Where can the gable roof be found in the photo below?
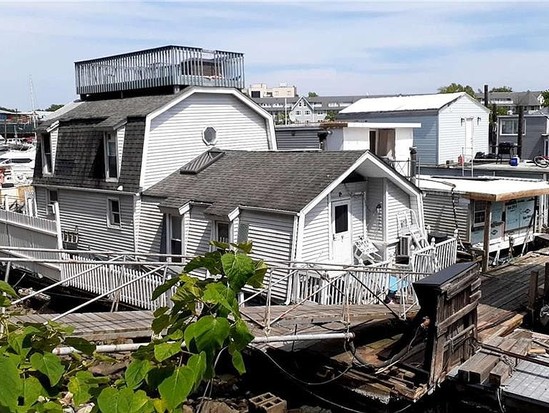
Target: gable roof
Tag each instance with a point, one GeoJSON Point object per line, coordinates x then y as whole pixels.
{"type": "Point", "coordinates": [405, 103]}
{"type": "Point", "coordinates": [283, 181]}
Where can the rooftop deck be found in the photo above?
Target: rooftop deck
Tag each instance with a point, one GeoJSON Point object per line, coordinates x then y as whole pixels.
{"type": "Point", "coordinates": [168, 66]}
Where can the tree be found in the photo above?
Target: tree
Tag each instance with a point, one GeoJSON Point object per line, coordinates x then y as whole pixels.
{"type": "Point", "coordinates": [501, 89]}
{"type": "Point", "coordinates": [456, 87]}
{"type": "Point", "coordinates": [53, 107]}
{"type": "Point", "coordinates": [312, 95]}
{"type": "Point", "coordinates": [545, 96]}
{"type": "Point", "coordinates": [330, 116]}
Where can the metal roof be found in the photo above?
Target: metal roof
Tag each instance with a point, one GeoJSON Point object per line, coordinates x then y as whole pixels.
{"type": "Point", "coordinates": [403, 103]}
{"type": "Point", "coordinates": [493, 189]}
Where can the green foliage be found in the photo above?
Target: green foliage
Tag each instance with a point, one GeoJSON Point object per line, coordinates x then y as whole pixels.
{"type": "Point", "coordinates": [501, 89]}
{"type": "Point", "coordinates": [545, 96]}
{"type": "Point", "coordinates": [53, 107]}
{"type": "Point", "coordinates": [202, 322]}
{"type": "Point", "coordinates": [330, 116]}
{"type": "Point", "coordinates": [312, 95]}
{"type": "Point", "coordinates": [456, 87]}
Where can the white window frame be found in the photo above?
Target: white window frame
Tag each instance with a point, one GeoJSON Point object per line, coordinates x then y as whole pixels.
{"type": "Point", "coordinates": [170, 225]}
{"type": "Point", "coordinates": [47, 161]}
{"type": "Point", "coordinates": [50, 202]}
{"type": "Point", "coordinates": [111, 214]}
{"type": "Point", "coordinates": [514, 128]}
{"type": "Point", "coordinates": [479, 208]}
{"type": "Point", "coordinates": [110, 137]}
{"type": "Point", "coordinates": [215, 231]}
{"type": "Point", "coordinates": [209, 130]}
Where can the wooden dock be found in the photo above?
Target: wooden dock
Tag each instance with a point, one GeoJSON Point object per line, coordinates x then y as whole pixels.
{"type": "Point", "coordinates": [503, 301]}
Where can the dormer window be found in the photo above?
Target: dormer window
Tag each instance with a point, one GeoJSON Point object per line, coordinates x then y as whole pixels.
{"type": "Point", "coordinates": [111, 156]}
{"type": "Point", "coordinates": [47, 166]}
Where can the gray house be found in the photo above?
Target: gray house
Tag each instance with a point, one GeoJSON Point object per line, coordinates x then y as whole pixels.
{"type": "Point", "coordinates": [535, 132]}
{"type": "Point", "coordinates": [452, 125]}
{"type": "Point", "coordinates": [97, 156]}
{"type": "Point", "coordinates": [294, 206]}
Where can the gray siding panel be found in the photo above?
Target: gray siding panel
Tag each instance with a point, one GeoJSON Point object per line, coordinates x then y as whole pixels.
{"type": "Point", "coordinates": [373, 220]}
{"type": "Point", "coordinates": [199, 232]}
{"type": "Point", "coordinates": [291, 140]}
{"type": "Point", "coordinates": [271, 235]}
{"type": "Point", "coordinates": [397, 201]}
{"type": "Point", "coordinates": [150, 225]}
{"type": "Point", "coordinates": [357, 216]}
{"type": "Point", "coordinates": [87, 211]}
{"type": "Point", "coordinates": [175, 136]}
{"type": "Point", "coordinates": [439, 214]}
{"type": "Point", "coordinates": [316, 238]}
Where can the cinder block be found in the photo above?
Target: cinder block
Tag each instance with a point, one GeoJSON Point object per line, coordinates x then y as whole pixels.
{"type": "Point", "coordinates": [267, 403]}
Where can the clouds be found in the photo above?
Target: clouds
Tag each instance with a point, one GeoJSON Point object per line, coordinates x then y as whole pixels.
{"type": "Point", "coordinates": [331, 47]}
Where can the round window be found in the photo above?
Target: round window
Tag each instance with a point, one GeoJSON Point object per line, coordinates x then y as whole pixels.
{"type": "Point", "coordinates": [209, 136]}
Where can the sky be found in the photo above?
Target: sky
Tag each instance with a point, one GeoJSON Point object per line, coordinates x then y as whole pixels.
{"type": "Point", "coordinates": [331, 47]}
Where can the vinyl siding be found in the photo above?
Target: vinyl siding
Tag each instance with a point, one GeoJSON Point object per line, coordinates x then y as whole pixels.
{"type": "Point", "coordinates": [316, 234]}
{"type": "Point", "coordinates": [425, 138]}
{"type": "Point", "coordinates": [439, 213]}
{"type": "Point", "coordinates": [357, 216]}
{"type": "Point", "coordinates": [54, 135]}
{"type": "Point", "coordinates": [198, 232]}
{"type": "Point", "coordinates": [397, 201]}
{"type": "Point", "coordinates": [532, 142]}
{"type": "Point", "coordinates": [375, 196]}
{"type": "Point", "coordinates": [150, 225]}
{"type": "Point", "coordinates": [120, 133]}
{"type": "Point", "coordinates": [41, 200]}
{"type": "Point", "coordinates": [298, 139]}
{"type": "Point", "coordinates": [452, 132]}
{"type": "Point", "coordinates": [87, 211]}
{"type": "Point", "coordinates": [271, 235]}
{"type": "Point", "coordinates": [175, 136]}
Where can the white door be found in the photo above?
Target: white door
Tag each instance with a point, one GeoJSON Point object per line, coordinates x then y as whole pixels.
{"type": "Point", "coordinates": [342, 249]}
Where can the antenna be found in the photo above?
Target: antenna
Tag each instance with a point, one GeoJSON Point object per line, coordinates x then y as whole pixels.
{"type": "Point", "coordinates": [33, 103]}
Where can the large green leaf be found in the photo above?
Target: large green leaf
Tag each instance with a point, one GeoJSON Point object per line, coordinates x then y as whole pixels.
{"type": "Point", "coordinates": [11, 384]}
{"type": "Point", "coordinates": [32, 389]}
{"type": "Point", "coordinates": [136, 372]}
{"type": "Point", "coordinates": [49, 365]}
{"type": "Point", "coordinates": [82, 386]}
{"type": "Point", "coordinates": [175, 389]}
{"type": "Point", "coordinates": [112, 400]}
{"type": "Point", "coordinates": [6, 288]}
{"type": "Point", "coordinates": [197, 363]}
{"type": "Point", "coordinates": [256, 280]}
{"type": "Point", "coordinates": [164, 351]}
{"type": "Point", "coordinates": [161, 289]}
{"type": "Point", "coordinates": [238, 361]}
{"type": "Point", "coordinates": [219, 293]}
{"type": "Point", "coordinates": [245, 247]}
{"type": "Point", "coordinates": [240, 335]}
{"type": "Point", "coordinates": [238, 268]}
{"type": "Point", "coordinates": [4, 301]}
{"type": "Point", "coordinates": [160, 323]}
{"type": "Point", "coordinates": [81, 344]}
{"type": "Point", "coordinates": [16, 342]}
{"type": "Point", "coordinates": [210, 261]}
{"type": "Point", "coordinates": [208, 333]}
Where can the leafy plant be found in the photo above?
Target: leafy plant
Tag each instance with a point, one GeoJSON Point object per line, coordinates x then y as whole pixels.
{"type": "Point", "coordinates": [203, 322]}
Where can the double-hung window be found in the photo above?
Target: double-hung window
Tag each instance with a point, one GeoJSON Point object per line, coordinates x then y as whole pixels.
{"type": "Point", "coordinates": [176, 244]}
{"type": "Point", "coordinates": [114, 217]}
{"type": "Point", "coordinates": [111, 156]}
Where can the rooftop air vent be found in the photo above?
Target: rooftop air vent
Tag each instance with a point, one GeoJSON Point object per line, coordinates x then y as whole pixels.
{"type": "Point", "coordinates": [202, 161]}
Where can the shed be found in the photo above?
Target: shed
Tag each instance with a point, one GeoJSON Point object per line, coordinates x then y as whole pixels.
{"type": "Point", "coordinates": [452, 124]}
{"type": "Point", "coordinates": [490, 213]}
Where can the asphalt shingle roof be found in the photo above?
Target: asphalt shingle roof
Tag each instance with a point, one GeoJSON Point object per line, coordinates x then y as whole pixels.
{"type": "Point", "coordinates": [113, 111]}
{"type": "Point", "coordinates": [285, 181]}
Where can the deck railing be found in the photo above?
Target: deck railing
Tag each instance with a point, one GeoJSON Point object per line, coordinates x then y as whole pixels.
{"type": "Point", "coordinates": [160, 67]}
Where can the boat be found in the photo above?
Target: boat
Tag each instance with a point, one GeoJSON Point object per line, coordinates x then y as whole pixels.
{"type": "Point", "coordinates": [17, 167]}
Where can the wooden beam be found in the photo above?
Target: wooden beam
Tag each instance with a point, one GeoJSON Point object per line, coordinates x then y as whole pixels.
{"type": "Point", "coordinates": [533, 289]}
